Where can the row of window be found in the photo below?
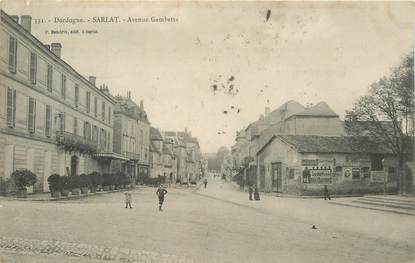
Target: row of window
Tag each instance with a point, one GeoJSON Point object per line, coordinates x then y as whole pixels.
{"type": "Point", "coordinates": [105, 115]}
{"type": "Point", "coordinates": [89, 133]}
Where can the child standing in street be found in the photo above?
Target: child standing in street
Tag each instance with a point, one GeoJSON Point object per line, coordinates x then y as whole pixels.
{"type": "Point", "coordinates": [128, 199]}
{"type": "Point", "coordinates": [161, 192]}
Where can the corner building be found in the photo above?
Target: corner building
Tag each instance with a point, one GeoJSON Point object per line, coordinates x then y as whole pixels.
{"type": "Point", "coordinates": [52, 119]}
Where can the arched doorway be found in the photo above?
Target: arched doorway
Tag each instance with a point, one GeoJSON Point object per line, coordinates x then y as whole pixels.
{"type": "Point", "coordinates": [74, 165]}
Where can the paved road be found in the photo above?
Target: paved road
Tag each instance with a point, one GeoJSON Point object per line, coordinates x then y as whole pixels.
{"type": "Point", "coordinates": [210, 225]}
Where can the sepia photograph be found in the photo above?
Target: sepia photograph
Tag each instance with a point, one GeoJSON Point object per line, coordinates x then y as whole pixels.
{"type": "Point", "coordinates": [207, 131]}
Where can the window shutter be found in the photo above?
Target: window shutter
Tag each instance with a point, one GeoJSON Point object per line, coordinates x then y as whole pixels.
{"type": "Point", "coordinates": [62, 124]}
{"type": "Point", "coordinates": [14, 108]}
{"type": "Point", "coordinates": [103, 111]}
{"type": "Point", "coordinates": [75, 126]}
{"type": "Point", "coordinates": [63, 86]}
{"type": "Point", "coordinates": [76, 95]}
{"type": "Point", "coordinates": [48, 121]}
{"type": "Point", "coordinates": [31, 117]}
{"type": "Point", "coordinates": [50, 76]}
{"type": "Point", "coordinates": [12, 54]}
{"type": "Point", "coordinates": [88, 102]}
{"type": "Point", "coordinates": [33, 67]}
{"type": "Point", "coordinates": [10, 101]}
{"type": "Point", "coordinates": [95, 106]}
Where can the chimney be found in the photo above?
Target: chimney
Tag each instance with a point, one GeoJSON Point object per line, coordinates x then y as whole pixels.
{"type": "Point", "coordinates": [129, 94]}
{"type": "Point", "coordinates": [47, 46]}
{"type": "Point", "coordinates": [267, 111]}
{"type": "Point", "coordinates": [26, 22]}
{"type": "Point", "coordinates": [141, 105]}
{"type": "Point", "coordinates": [15, 18]}
{"type": "Point", "coordinates": [92, 80]}
{"type": "Point", "coordinates": [56, 49]}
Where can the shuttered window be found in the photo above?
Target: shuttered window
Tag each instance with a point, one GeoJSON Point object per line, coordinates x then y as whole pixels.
{"type": "Point", "coordinates": [76, 95]}
{"type": "Point", "coordinates": [50, 78]}
{"type": "Point", "coordinates": [48, 121]}
{"type": "Point", "coordinates": [63, 86]}
{"type": "Point", "coordinates": [87, 130]}
{"type": "Point", "coordinates": [109, 115]}
{"type": "Point", "coordinates": [12, 54]}
{"type": "Point", "coordinates": [103, 111]}
{"type": "Point", "coordinates": [95, 106]}
{"type": "Point", "coordinates": [108, 141]}
{"type": "Point", "coordinates": [32, 115]}
{"type": "Point", "coordinates": [88, 102]}
{"type": "Point", "coordinates": [95, 134]}
{"type": "Point", "coordinates": [33, 67]}
{"type": "Point", "coordinates": [75, 125]}
{"type": "Point", "coordinates": [11, 107]}
{"type": "Point", "coordinates": [62, 122]}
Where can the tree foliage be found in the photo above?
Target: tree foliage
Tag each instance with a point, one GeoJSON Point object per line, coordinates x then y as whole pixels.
{"type": "Point", "coordinates": [386, 112]}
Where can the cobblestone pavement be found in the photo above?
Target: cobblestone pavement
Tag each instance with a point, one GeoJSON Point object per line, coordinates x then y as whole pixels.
{"type": "Point", "coordinates": [85, 251]}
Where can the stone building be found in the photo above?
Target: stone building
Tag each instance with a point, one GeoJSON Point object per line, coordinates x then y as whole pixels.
{"type": "Point", "coordinates": [131, 138]}
{"type": "Point", "coordinates": [52, 119]}
{"type": "Point", "coordinates": [302, 164]}
{"type": "Point", "coordinates": [156, 153]}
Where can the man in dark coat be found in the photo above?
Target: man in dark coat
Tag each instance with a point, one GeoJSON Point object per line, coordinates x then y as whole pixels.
{"type": "Point", "coordinates": [326, 193]}
{"type": "Point", "coordinates": [256, 194]}
{"type": "Point", "coordinates": [161, 192]}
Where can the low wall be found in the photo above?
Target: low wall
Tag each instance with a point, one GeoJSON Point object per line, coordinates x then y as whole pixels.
{"type": "Point", "coordinates": [342, 188]}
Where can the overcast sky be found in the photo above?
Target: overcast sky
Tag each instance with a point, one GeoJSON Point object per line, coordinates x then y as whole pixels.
{"type": "Point", "coordinates": [308, 52]}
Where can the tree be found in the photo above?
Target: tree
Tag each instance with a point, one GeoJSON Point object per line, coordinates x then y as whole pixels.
{"type": "Point", "coordinates": [386, 113]}
{"type": "Point", "coordinates": [227, 165]}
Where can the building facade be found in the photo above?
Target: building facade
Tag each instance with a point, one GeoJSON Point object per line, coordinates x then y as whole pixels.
{"type": "Point", "coordinates": [52, 119]}
{"type": "Point", "coordinates": [303, 164]}
{"type": "Point", "coordinates": [131, 138]}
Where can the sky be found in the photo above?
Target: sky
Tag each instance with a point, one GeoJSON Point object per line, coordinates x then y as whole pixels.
{"type": "Point", "coordinates": [308, 52]}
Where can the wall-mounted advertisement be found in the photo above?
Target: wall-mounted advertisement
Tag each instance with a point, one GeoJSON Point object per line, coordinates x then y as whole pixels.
{"type": "Point", "coordinates": [320, 176]}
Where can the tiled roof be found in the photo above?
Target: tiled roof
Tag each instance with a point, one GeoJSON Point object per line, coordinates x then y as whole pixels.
{"type": "Point", "coordinates": [332, 144]}
{"type": "Point", "coordinates": [155, 134]}
{"type": "Point", "coordinates": [128, 107]}
{"type": "Point", "coordinates": [320, 109]}
{"type": "Point", "coordinates": [170, 133]}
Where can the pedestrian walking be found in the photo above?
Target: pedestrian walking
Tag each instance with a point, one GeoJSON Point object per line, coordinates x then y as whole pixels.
{"type": "Point", "coordinates": [250, 192]}
{"type": "Point", "coordinates": [205, 182]}
{"type": "Point", "coordinates": [128, 199]}
{"type": "Point", "coordinates": [161, 192]}
{"type": "Point", "coordinates": [326, 193]}
{"type": "Point", "coordinates": [256, 194]}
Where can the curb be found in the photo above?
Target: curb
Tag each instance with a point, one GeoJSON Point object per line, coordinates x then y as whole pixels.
{"type": "Point", "coordinates": [72, 197]}
{"type": "Point", "coordinates": [373, 208]}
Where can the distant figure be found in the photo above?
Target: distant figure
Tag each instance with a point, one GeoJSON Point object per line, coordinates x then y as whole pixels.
{"type": "Point", "coordinates": [205, 182]}
{"type": "Point", "coordinates": [256, 194]}
{"type": "Point", "coordinates": [250, 192]}
{"type": "Point", "coordinates": [306, 175]}
{"type": "Point", "coordinates": [326, 193]}
{"type": "Point", "coordinates": [161, 192]}
{"type": "Point", "coordinates": [128, 199]}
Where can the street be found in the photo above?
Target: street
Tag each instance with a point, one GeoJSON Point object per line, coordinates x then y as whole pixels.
{"type": "Point", "coordinates": [217, 224]}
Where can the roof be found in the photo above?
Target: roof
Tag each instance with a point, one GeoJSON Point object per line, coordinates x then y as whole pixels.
{"type": "Point", "coordinates": [321, 109]}
{"type": "Point", "coordinates": [128, 107]}
{"type": "Point", "coordinates": [155, 134]}
{"type": "Point", "coordinates": [331, 144]}
{"type": "Point", "coordinates": [30, 37]}
{"type": "Point", "coordinates": [170, 133]}
{"type": "Point", "coordinates": [153, 148]}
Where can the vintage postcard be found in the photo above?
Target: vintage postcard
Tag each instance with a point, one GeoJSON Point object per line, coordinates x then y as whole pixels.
{"type": "Point", "coordinates": [207, 131]}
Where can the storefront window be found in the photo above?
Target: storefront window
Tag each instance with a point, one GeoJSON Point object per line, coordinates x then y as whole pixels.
{"type": "Point", "coordinates": [376, 161]}
{"type": "Point", "coordinates": [356, 173]}
{"type": "Point", "coordinates": [366, 172]}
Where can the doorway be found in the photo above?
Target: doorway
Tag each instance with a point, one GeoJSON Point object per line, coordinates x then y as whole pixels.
{"type": "Point", "coordinates": [74, 165]}
{"type": "Point", "coordinates": [276, 177]}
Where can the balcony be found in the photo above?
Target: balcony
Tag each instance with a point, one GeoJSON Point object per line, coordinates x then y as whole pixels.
{"type": "Point", "coordinates": [133, 156]}
{"type": "Point", "coordinates": [72, 141]}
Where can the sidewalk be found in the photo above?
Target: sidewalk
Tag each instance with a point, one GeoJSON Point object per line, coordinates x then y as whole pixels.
{"type": "Point", "coordinates": [46, 197]}
{"type": "Point", "coordinates": [320, 213]}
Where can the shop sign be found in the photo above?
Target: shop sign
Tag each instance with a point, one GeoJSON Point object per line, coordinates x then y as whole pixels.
{"type": "Point", "coordinates": [378, 176]}
{"type": "Point", "coordinates": [309, 162]}
{"type": "Point", "coordinates": [320, 176]}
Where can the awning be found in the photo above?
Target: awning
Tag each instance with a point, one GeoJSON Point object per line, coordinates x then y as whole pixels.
{"type": "Point", "coordinates": [112, 156]}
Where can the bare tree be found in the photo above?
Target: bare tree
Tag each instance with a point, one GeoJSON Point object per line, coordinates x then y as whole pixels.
{"type": "Point", "coordinates": [386, 113]}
